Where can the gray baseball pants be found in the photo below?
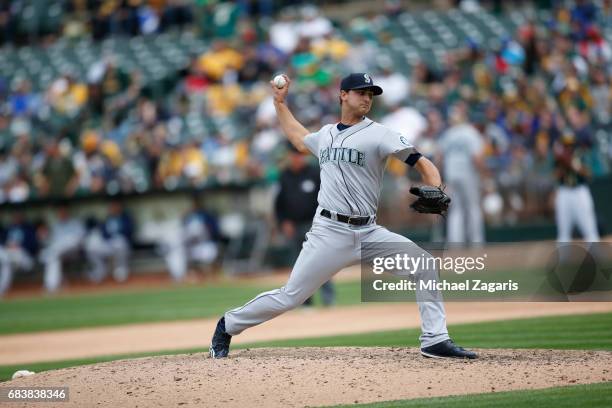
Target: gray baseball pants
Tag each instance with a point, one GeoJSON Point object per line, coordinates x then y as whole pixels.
{"type": "Point", "coordinates": [329, 247]}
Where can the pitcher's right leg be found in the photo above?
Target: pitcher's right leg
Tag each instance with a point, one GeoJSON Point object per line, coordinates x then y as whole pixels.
{"type": "Point", "coordinates": [324, 253]}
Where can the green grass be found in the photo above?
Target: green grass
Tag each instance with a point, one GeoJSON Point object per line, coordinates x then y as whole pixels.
{"type": "Point", "coordinates": [590, 395]}
{"type": "Point", "coordinates": [577, 332]}
{"type": "Point", "coordinates": [138, 306]}
{"type": "Point", "coordinates": [585, 332]}
{"type": "Point", "coordinates": [108, 309]}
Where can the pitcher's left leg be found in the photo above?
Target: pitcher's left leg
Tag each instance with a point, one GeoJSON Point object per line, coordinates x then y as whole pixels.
{"type": "Point", "coordinates": [431, 306]}
{"type": "Point", "coordinates": [435, 341]}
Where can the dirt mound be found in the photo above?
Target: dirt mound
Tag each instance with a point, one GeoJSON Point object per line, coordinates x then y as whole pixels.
{"type": "Point", "coordinates": [315, 376]}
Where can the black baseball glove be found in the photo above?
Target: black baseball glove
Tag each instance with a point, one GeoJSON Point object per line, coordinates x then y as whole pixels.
{"type": "Point", "coordinates": [432, 200]}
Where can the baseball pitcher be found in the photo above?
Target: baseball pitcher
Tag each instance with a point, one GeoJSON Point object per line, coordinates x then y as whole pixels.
{"type": "Point", "coordinates": [352, 157]}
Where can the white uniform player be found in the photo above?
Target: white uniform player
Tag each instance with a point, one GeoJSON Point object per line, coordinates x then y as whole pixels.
{"type": "Point", "coordinates": [352, 157]}
{"type": "Point", "coordinates": [18, 252]}
{"type": "Point", "coordinates": [198, 241]}
{"type": "Point", "coordinates": [66, 238]}
{"type": "Point", "coordinates": [461, 147]}
{"type": "Point", "coordinates": [110, 243]}
{"type": "Point", "coordinates": [573, 202]}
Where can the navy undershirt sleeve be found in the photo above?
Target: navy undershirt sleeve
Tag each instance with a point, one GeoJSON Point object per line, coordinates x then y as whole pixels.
{"type": "Point", "coordinates": [413, 158]}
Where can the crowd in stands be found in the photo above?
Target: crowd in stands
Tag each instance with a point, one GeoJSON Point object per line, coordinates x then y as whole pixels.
{"type": "Point", "coordinates": [106, 134]}
{"type": "Point", "coordinates": [26, 21]}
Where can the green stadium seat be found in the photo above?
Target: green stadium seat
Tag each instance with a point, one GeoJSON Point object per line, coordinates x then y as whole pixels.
{"type": "Point", "coordinates": [52, 17]}
{"type": "Point", "coordinates": [29, 21]}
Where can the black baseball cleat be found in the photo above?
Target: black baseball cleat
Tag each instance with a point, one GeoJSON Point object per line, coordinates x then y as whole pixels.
{"type": "Point", "coordinates": [219, 346]}
{"type": "Point", "coordinates": [447, 349]}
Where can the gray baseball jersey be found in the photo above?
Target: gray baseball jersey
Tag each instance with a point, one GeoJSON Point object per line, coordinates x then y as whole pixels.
{"type": "Point", "coordinates": [460, 145]}
{"type": "Point", "coordinates": [352, 164]}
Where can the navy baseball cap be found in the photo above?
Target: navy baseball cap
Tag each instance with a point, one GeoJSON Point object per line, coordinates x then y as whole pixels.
{"type": "Point", "coordinates": [359, 80]}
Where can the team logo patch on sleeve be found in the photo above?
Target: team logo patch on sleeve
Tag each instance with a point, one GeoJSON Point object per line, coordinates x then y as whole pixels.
{"type": "Point", "coordinates": [404, 141]}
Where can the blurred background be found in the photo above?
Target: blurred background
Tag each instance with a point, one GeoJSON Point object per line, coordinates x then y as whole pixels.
{"type": "Point", "coordinates": [139, 136]}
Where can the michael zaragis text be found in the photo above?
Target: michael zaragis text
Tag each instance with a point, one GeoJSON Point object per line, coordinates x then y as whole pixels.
{"type": "Point", "coordinates": [444, 285]}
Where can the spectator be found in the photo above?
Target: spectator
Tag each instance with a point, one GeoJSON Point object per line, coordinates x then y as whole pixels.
{"type": "Point", "coordinates": [9, 167]}
{"type": "Point", "coordinates": [67, 95]}
{"type": "Point", "coordinates": [23, 101]}
{"type": "Point", "coordinates": [271, 55]}
{"type": "Point", "coordinates": [176, 13]}
{"type": "Point", "coordinates": [126, 18]}
{"type": "Point", "coordinates": [307, 66]}
{"type": "Point", "coordinates": [195, 168]}
{"type": "Point", "coordinates": [8, 22]}
{"type": "Point", "coordinates": [196, 81]}
{"type": "Point", "coordinates": [58, 177]}
{"type": "Point", "coordinates": [313, 25]}
{"type": "Point", "coordinates": [331, 47]}
{"type": "Point", "coordinates": [397, 84]}
{"type": "Point", "coordinates": [574, 94]}
{"type": "Point", "coordinates": [284, 33]}
{"type": "Point", "coordinates": [602, 96]}
{"type": "Point", "coordinates": [584, 12]}
{"type": "Point", "coordinates": [429, 137]}
{"type": "Point", "coordinates": [361, 55]}
{"type": "Point", "coordinates": [18, 189]}
{"type": "Point", "coordinates": [170, 168]}
{"type": "Point", "coordinates": [405, 120]}
{"type": "Point", "coordinates": [148, 20]}
{"type": "Point", "coordinates": [221, 60]}
{"type": "Point", "coordinates": [264, 146]}
{"type": "Point", "coordinates": [101, 20]}
{"type": "Point", "coordinates": [579, 123]}
{"type": "Point", "coordinates": [114, 81]}
{"type": "Point", "coordinates": [254, 69]}
{"type": "Point", "coordinates": [539, 183]}
{"type": "Point", "coordinates": [90, 165]}
{"type": "Point", "coordinates": [224, 20]}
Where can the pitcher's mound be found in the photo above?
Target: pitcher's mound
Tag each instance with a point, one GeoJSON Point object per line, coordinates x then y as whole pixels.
{"type": "Point", "coordinates": [315, 376]}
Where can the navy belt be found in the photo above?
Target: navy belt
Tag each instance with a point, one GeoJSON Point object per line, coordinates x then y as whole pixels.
{"type": "Point", "coordinates": [352, 220]}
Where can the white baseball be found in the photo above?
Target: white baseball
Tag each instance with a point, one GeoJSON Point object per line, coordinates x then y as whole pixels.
{"type": "Point", "coordinates": [22, 373]}
{"type": "Point", "coordinates": [279, 81]}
